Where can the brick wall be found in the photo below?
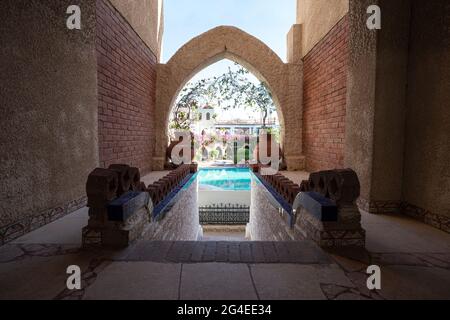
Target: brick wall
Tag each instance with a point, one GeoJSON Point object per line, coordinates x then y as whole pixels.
{"type": "Point", "coordinates": [126, 91]}
{"type": "Point", "coordinates": [325, 88]}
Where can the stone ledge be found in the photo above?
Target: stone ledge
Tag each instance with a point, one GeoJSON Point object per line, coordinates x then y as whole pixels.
{"type": "Point", "coordinates": [435, 220]}
{"type": "Point", "coordinates": [402, 207]}
{"type": "Point", "coordinates": [379, 207]}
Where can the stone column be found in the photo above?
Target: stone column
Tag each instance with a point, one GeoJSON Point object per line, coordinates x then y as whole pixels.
{"type": "Point", "coordinates": [376, 102]}
{"type": "Point", "coordinates": [293, 122]}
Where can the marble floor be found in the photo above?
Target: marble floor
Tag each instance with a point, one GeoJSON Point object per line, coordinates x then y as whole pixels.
{"type": "Point", "coordinates": [414, 260]}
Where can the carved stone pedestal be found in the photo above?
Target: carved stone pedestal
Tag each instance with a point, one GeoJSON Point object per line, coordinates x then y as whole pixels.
{"type": "Point", "coordinates": [346, 232]}
{"type": "Point", "coordinates": [117, 215]}
{"type": "Point", "coordinates": [117, 234]}
{"type": "Point", "coordinates": [328, 213]}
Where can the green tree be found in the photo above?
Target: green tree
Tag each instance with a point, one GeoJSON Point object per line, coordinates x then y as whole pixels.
{"type": "Point", "coordinates": [230, 90]}
{"type": "Point", "coordinates": [186, 107]}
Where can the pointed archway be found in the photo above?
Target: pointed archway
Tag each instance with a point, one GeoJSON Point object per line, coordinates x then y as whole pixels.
{"type": "Point", "coordinates": [225, 42]}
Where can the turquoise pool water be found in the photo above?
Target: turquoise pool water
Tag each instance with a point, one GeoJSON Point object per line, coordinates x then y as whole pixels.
{"type": "Point", "coordinates": [226, 179]}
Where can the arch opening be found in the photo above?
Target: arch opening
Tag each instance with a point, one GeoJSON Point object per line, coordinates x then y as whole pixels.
{"type": "Point", "coordinates": [224, 102]}
{"type": "Point", "coordinates": [233, 44]}
{"type": "Point", "coordinates": [227, 56]}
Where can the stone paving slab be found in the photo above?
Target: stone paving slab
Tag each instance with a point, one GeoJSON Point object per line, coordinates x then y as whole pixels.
{"type": "Point", "coordinates": [197, 252]}
{"type": "Point", "coordinates": [38, 277]}
{"type": "Point", "coordinates": [234, 254]}
{"type": "Point", "coordinates": [136, 281]}
{"type": "Point", "coordinates": [38, 271]}
{"type": "Point", "coordinates": [303, 252]}
{"type": "Point", "coordinates": [10, 253]}
{"type": "Point", "coordinates": [296, 282]}
{"type": "Point", "coordinates": [217, 281]}
{"type": "Point", "coordinates": [411, 283]}
{"type": "Point", "coordinates": [286, 282]}
{"type": "Point", "coordinates": [397, 233]}
{"type": "Point", "coordinates": [66, 230]}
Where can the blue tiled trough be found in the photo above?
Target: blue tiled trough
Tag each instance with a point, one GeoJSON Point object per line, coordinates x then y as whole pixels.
{"type": "Point", "coordinates": [323, 209]}
{"type": "Point", "coordinates": [167, 203]}
{"type": "Point", "coordinates": [121, 209]}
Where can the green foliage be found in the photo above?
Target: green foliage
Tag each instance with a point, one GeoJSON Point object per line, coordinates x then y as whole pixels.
{"type": "Point", "coordinates": [243, 154]}
{"type": "Point", "coordinates": [230, 90]}
{"type": "Point", "coordinates": [214, 154]}
{"type": "Point", "coordinates": [274, 132]}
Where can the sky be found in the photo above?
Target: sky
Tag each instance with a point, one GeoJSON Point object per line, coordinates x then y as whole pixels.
{"type": "Point", "coordinates": [268, 20]}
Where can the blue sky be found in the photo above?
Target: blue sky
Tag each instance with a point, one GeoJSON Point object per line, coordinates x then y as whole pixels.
{"type": "Point", "coordinates": [268, 20]}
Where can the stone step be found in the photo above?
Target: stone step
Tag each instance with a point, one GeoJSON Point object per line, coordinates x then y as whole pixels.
{"type": "Point", "coordinates": [295, 252]}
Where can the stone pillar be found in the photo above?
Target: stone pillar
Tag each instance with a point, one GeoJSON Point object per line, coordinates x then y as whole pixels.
{"type": "Point", "coordinates": [295, 163]}
{"type": "Point", "coordinates": [293, 118]}
{"type": "Point", "coordinates": [376, 102]}
{"type": "Point", "coordinates": [294, 44]}
{"type": "Point", "coordinates": [158, 163]}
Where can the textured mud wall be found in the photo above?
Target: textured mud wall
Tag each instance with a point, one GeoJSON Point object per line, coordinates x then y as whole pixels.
{"type": "Point", "coordinates": [318, 17]}
{"type": "Point", "coordinates": [145, 17]}
{"type": "Point", "coordinates": [390, 101]}
{"type": "Point", "coordinates": [324, 98]}
{"type": "Point", "coordinates": [398, 109]}
{"type": "Point", "coordinates": [427, 171]}
{"type": "Point", "coordinates": [126, 91]}
{"type": "Point", "coordinates": [376, 105]}
{"type": "Point", "coordinates": [361, 96]}
{"type": "Point", "coordinates": [48, 112]}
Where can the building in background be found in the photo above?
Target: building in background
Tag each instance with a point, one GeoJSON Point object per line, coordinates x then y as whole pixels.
{"type": "Point", "coordinates": [210, 121]}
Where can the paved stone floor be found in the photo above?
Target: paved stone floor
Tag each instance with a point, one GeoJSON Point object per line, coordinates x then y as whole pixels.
{"type": "Point", "coordinates": [414, 260]}
{"type": "Point", "coordinates": [223, 236]}
{"type": "Point", "coordinates": [223, 233]}
{"type": "Point", "coordinates": [235, 270]}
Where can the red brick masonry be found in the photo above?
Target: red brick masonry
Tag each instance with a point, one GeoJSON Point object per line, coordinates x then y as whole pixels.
{"type": "Point", "coordinates": [126, 91]}
{"type": "Point", "coordinates": [325, 89]}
